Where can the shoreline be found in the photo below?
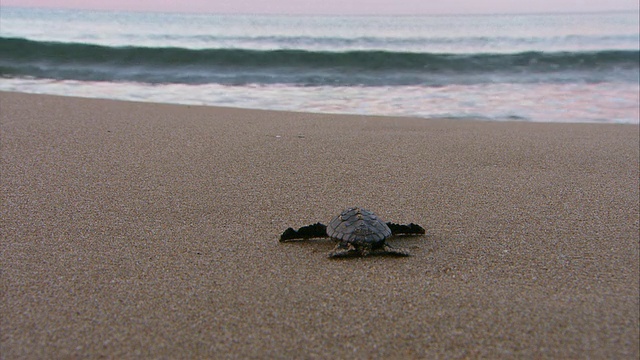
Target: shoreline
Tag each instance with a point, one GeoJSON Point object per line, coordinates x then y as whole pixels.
{"type": "Point", "coordinates": [348, 100]}
{"type": "Point", "coordinates": [302, 113]}
{"type": "Point", "coordinates": [152, 229]}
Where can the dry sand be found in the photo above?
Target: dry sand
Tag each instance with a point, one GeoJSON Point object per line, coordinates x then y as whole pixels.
{"type": "Point", "coordinates": [132, 229]}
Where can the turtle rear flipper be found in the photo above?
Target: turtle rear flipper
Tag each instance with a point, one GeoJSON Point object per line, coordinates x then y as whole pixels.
{"type": "Point", "coordinates": [401, 229]}
{"type": "Point", "coordinates": [344, 249]}
{"type": "Point", "coordinates": [390, 250]}
{"type": "Point", "coordinates": [347, 249]}
{"type": "Point", "coordinates": [316, 230]}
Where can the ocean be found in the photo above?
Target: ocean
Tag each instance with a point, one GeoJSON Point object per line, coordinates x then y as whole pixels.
{"type": "Point", "coordinates": [543, 68]}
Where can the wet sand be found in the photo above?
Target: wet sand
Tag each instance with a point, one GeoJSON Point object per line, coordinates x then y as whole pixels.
{"type": "Point", "coordinates": [151, 230]}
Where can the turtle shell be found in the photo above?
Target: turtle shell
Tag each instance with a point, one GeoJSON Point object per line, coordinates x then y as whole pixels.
{"type": "Point", "coordinates": [357, 225]}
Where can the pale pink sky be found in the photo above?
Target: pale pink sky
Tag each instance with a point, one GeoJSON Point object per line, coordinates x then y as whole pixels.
{"type": "Point", "coordinates": [340, 6]}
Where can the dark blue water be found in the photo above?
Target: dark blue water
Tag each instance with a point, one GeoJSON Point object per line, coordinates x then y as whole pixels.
{"type": "Point", "coordinates": [162, 65]}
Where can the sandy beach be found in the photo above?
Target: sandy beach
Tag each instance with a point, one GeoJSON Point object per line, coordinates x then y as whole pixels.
{"type": "Point", "coordinates": [139, 230]}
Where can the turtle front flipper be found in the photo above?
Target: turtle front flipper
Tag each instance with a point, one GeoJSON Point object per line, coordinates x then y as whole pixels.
{"type": "Point", "coordinates": [316, 230]}
{"type": "Point", "coordinates": [411, 229]}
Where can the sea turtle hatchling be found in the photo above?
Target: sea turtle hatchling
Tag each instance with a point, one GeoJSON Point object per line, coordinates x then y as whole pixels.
{"type": "Point", "coordinates": [360, 232]}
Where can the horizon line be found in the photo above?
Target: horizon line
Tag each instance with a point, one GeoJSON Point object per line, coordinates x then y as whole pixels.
{"type": "Point", "coordinates": [401, 14]}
